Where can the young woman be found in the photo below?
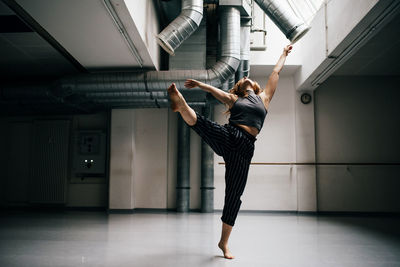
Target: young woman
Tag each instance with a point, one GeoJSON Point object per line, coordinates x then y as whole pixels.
{"type": "Point", "coordinates": [248, 106]}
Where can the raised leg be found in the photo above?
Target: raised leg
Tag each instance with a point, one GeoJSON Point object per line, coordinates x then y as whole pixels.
{"type": "Point", "coordinates": [178, 104]}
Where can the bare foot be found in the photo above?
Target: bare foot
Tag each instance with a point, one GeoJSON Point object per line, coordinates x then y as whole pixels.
{"type": "Point", "coordinates": [225, 250]}
{"type": "Point", "coordinates": [176, 97]}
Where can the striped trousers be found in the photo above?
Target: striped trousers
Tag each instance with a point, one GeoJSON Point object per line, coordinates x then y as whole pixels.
{"type": "Point", "coordinates": [236, 146]}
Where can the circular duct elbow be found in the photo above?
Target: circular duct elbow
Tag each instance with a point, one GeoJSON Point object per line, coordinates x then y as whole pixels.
{"type": "Point", "coordinates": [298, 32]}
{"type": "Point", "coordinates": [283, 16]}
{"type": "Point", "coordinates": [182, 27]}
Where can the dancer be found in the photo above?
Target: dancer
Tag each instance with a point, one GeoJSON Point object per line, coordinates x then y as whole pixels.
{"type": "Point", "coordinates": [248, 106]}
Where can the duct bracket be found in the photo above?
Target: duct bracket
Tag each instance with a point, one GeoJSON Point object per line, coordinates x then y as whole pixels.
{"type": "Point", "coordinates": [243, 6]}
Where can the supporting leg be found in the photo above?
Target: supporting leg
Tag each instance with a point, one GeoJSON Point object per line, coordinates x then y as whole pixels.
{"type": "Point", "coordinates": [223, 243]}
{"type": "Point", "coordinates": [235, 178]}
{"type": "Point", "coordinates": [178, 104]}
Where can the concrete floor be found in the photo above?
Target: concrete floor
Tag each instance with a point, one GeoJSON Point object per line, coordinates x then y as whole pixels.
{"type": "Point", "coordinates": [190, 240]}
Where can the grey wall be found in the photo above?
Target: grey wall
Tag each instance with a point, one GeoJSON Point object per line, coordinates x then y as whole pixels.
{"type": "Point", "coordinates": [91, 192]}
{"type": "Point", "coordinates": [3, 158]}
{"type": "Point", "coordinates": [357, 121]}
{"type": "Point", "coordinates": [16, 142]}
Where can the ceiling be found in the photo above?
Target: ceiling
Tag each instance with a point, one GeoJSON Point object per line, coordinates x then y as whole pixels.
{"type": "Point", "coordinates": [379, 56]}
{"type": "Point", "coordinates": [91, 42]}
{"type": "Point", "coordinates": [62, 37]}
{"type": "Point", "coordinates": [28, 55]}
{"type": "Point", "coordinates": [25, 54]}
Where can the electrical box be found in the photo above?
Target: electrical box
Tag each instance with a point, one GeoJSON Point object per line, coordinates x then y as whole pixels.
{"type": "Point", "coordinates": [89, 159]}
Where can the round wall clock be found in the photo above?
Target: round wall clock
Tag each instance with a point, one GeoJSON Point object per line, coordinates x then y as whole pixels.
{"type": "Point", "coordinates": [305, 98]}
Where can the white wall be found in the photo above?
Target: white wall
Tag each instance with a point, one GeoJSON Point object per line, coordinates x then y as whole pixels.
{"type": "Point", "coordinates": [139, 158]}
{"type": "Point", "coordinates": [311, 49]}
{"type": "Point", "coordinates": [305, 153]}
{"type": "Point", "coordinates": [275, 42]}
{"type": "Point", "coordinates": [342, 16]}
{"type": "Point", "coordinates": [150, 158]}
{"type": "Point", "coordinates": [121, 159]}
{"type": "Point", "coordinates": [357, 122]}
{"type": "Point", "coordinates": [269, 187]}
{"type": "Point", "coordinates": [354, 122]}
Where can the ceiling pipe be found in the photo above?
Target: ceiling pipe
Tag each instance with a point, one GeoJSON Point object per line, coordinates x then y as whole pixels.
{"type": "Point", "coordinates": [163, 103]}
{"type": "Point", "coordinates": [244, 67]}
{"type": "Point", "coordinates": [155, 83]}
{"type": "Point", "coordinates": [33, 92]}
{"type": "Point", "coordinates": [38, 95]}
{"type": "Point", "coordinates": [138, 95]}
{"type": "Point", "coordinates": [283, 16]}
{"type": "Point", "coordinates": [182, 27]}
{"type": "Point", "coordinates": [158, 81]}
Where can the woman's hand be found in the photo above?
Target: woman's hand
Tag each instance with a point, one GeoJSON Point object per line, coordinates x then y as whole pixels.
{"type": "Point", "coordinates": [287, 50]}
{"type": "Point", "coordinates": [189, 83]}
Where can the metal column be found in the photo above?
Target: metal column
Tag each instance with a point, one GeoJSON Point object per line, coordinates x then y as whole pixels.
{"type": "Point", "coordinates": [183, 172]}
{"type": "Point", "coordinates": [207, 170]}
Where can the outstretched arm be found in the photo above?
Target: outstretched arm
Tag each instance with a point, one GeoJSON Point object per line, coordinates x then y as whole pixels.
{"type": "Point", "coordinates": [272, 83]}
{"type": "Point", "coordinates": [219, 94]}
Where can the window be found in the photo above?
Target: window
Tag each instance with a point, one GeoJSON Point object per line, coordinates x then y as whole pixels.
{"type": "Point", "coordinates": [305, 9]}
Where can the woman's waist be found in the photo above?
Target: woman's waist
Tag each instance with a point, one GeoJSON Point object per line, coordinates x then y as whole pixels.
{"type": "Point", "coordinates": [250, 131]}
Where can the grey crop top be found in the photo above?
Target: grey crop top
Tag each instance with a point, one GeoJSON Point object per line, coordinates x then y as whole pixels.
{"type": "Point", "coordinates": [248, 111]}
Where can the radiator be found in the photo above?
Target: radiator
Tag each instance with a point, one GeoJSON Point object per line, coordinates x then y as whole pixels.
{"type": "Point", "coordinates": [49, 158]}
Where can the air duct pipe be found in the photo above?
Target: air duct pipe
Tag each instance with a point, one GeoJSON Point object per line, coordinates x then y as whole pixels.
{"type": "Point", "coordinates": [32, 92]}
{"type": "Point", "coordinates": [283, 16]}
{"type": "Point", "coordinates": [154, 83]}
{"type": "Point", "coordinates": [127, 95]}
{"type": "Point", "coordinates": [158, 81]}
{"type": "Point", "coordinates": [182, 27]}
{"type": "Point", "coordinates": [132, 103]}
{"type": "Point", "coordinates": [244, 67]}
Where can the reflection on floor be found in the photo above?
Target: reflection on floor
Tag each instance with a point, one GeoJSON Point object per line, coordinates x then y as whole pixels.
{"type": "Point", "coordinates": [190, 240]}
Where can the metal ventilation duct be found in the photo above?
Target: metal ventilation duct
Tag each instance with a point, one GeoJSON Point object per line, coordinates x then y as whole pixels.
{"type": "Point", "coordinates": [182, 27]}
{"type": "Point", "coordinates": [105, 87]}
{"type": "Point", "coordinates": [157, 81]}
{"type": "Point", "coordinates": [283, 16]}
{"type": "Point", "coordinates": [244, 67]}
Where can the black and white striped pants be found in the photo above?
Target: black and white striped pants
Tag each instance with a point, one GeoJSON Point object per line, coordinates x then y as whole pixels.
{"type": "Point", "coordinates": [236, 146]}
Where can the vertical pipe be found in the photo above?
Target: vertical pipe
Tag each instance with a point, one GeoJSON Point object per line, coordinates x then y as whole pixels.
{"type": "Point", "coordinates": [183, 172]}
{"type": "Point", "coordinates": [243, 69]}
{"type": "Point", "coordinates": [207, 170]}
